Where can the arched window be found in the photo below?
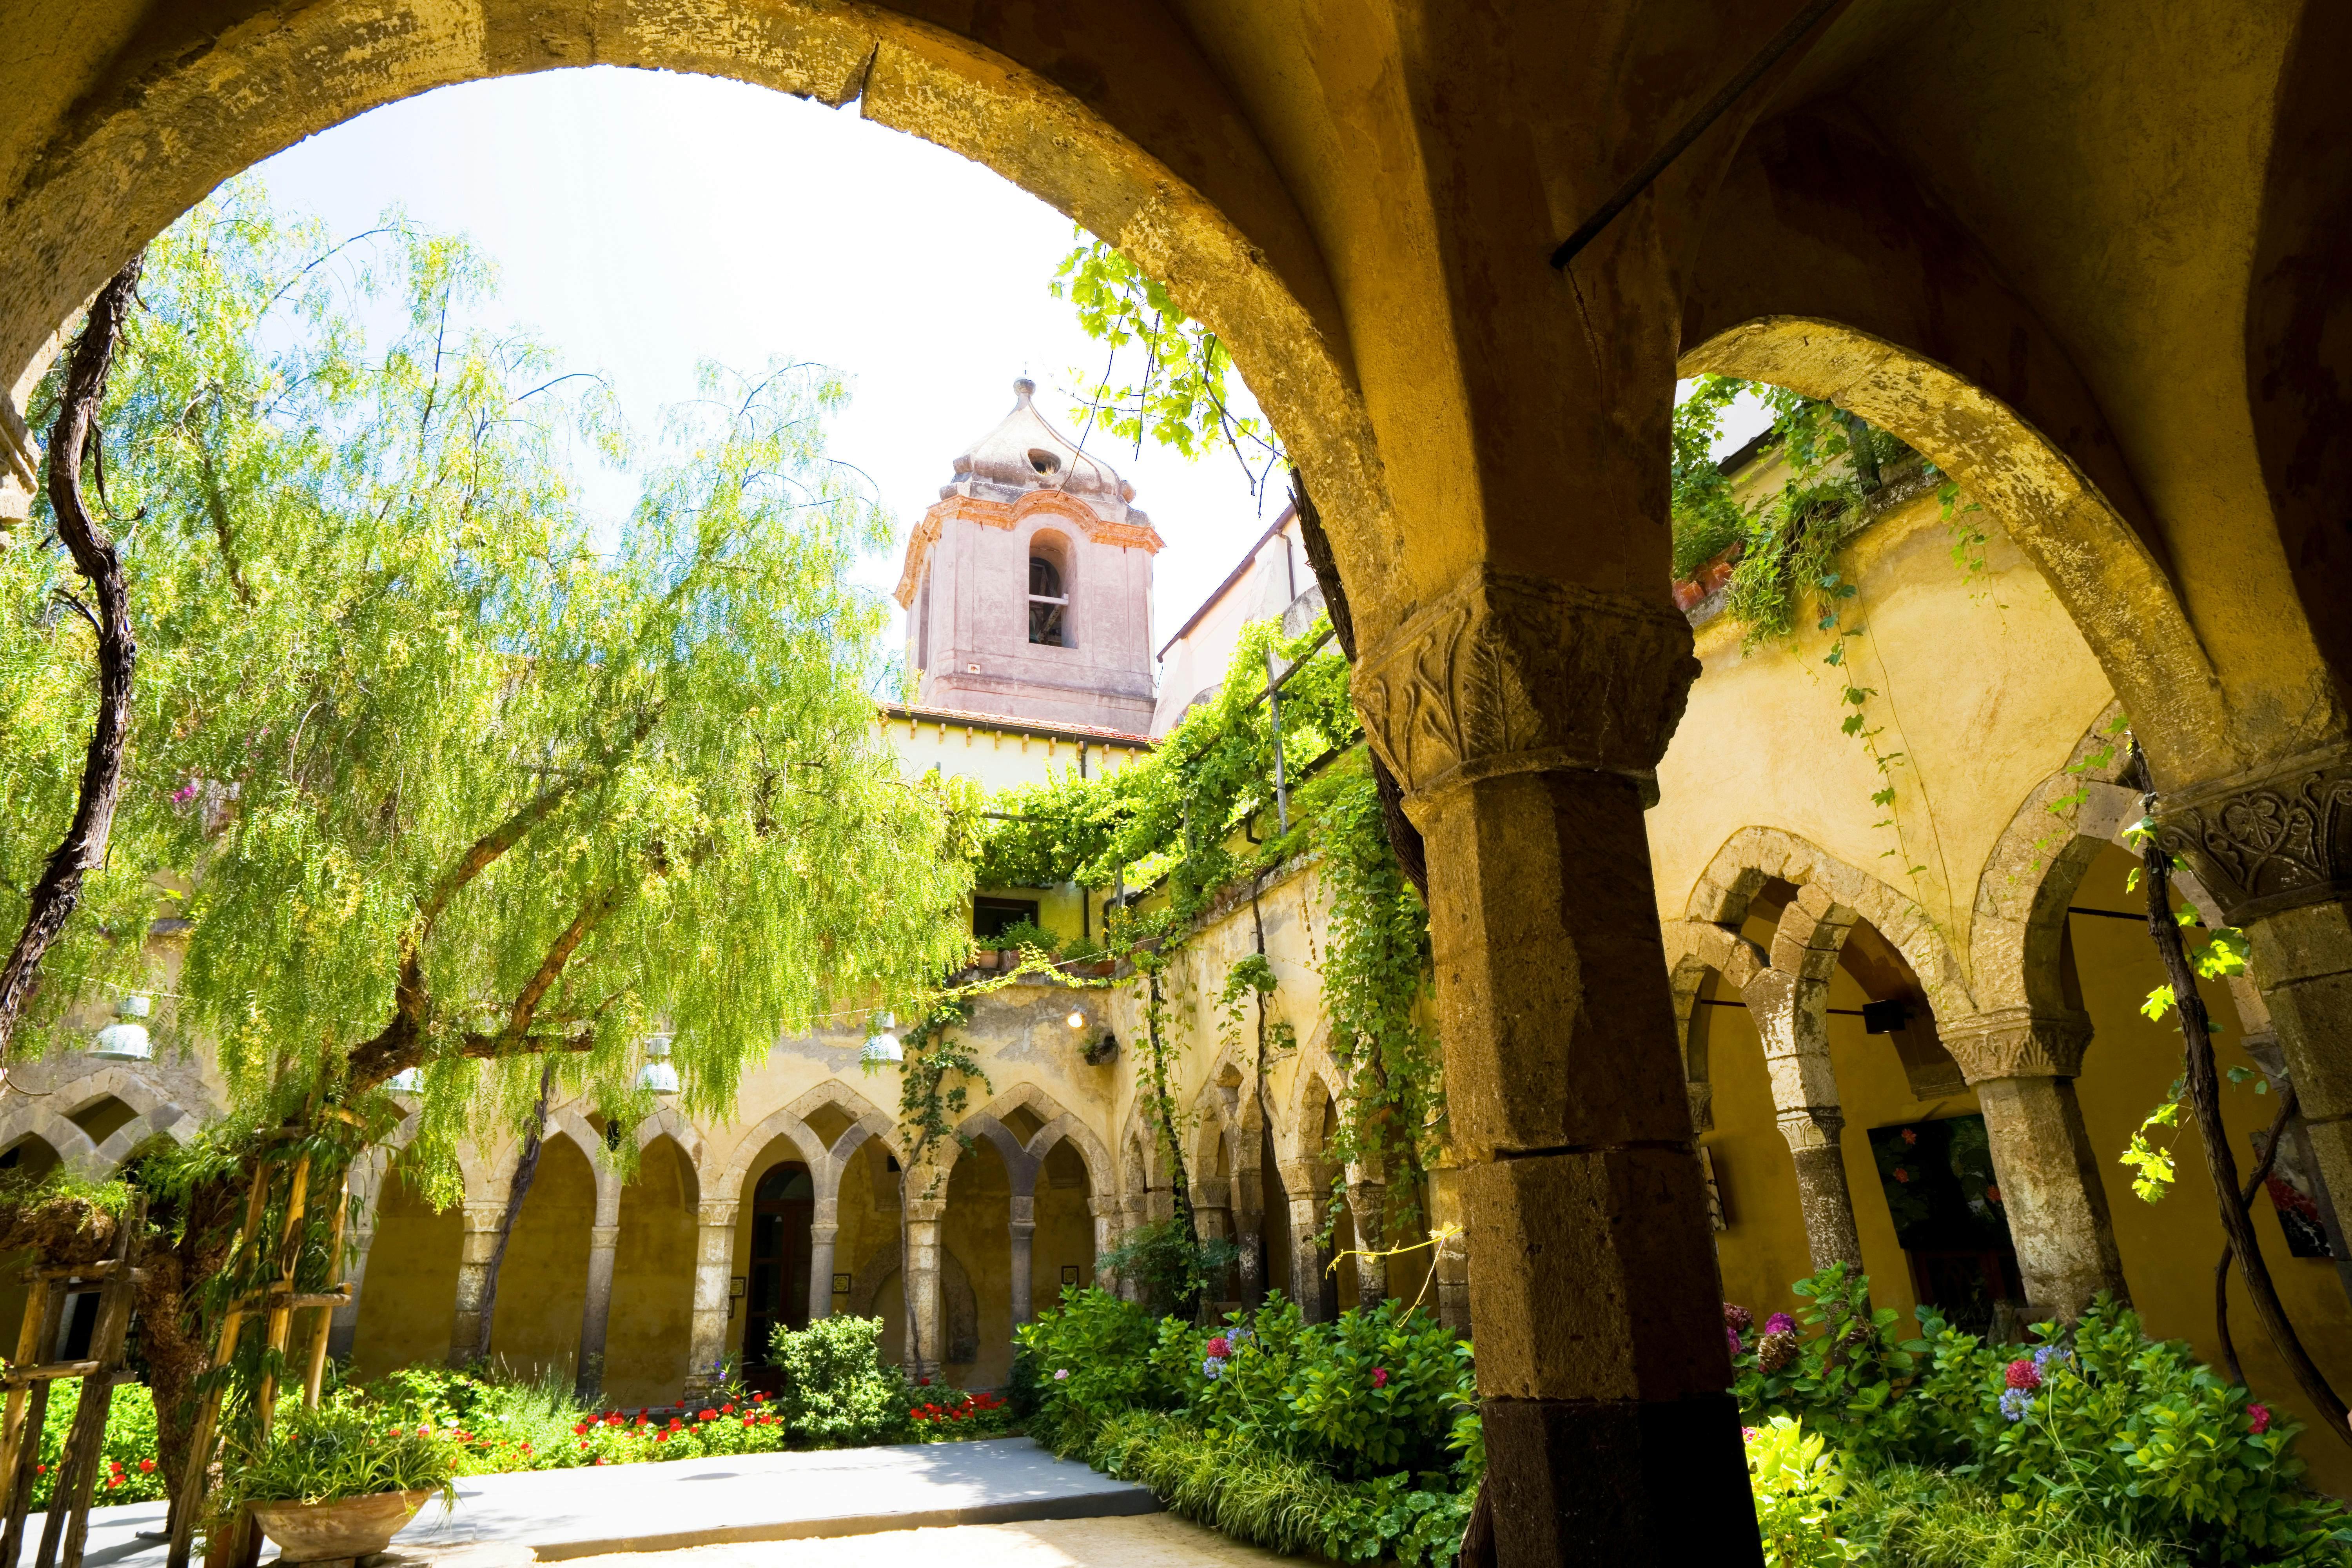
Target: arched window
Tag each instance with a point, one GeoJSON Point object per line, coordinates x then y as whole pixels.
{"type": "Point", "coordinates": [1049, 598]}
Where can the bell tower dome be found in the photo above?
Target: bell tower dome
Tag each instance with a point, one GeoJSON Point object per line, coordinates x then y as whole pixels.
{"type": "Point", "coordinates": [1027, 586]}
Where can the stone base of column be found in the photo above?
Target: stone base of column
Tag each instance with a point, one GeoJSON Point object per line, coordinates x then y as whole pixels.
{"type": "Point", "coordinates": [1576, 1482]}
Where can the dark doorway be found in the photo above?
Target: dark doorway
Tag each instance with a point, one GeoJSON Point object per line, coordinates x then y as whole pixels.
{"type": "Point", "coordinates": [781, 1208]}
{"type": "Point", "coordinates": [1948, 1216]}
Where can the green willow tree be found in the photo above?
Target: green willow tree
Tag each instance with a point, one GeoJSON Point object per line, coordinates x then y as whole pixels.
{"type": "Point", "coordinates": [437, 774]}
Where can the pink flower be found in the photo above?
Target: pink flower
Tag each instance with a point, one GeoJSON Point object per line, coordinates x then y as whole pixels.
{"type": "Point", "coordinates": [1379, 1377]}
{"type": "Point", "coordinates": [2258, 1418]}
{"type": "Point", "coordinates": [2024, 1375]}
{"type": "Point", "coordinates": [1736, 1318]}
{"type": "Point", "coordinates": [1910, 1136]}
{"type": "Point", "coordinates": [1220, 1347]}
{"type": "Point", "coordinates": [184, 794]}
{"type": "Point", "coordinates": [1779, 1323]}
{"type": "Point", "coordinates": [1747, 1434]}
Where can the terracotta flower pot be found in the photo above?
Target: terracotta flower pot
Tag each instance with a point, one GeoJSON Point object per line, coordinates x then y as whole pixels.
{"type": "Point", "coordinates": [347, 1527]}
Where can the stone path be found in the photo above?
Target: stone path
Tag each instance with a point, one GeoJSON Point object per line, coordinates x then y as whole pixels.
{"type": "Point", "coordinates": [1144, 1541]}
{"type": "Point", "coordinates": [563, 1514]}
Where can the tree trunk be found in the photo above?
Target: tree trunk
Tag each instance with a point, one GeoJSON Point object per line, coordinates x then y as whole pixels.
{"type": "Point", "coordinates": [526, 1167]}
{"type": "Point", "coordinates": [83, 848]}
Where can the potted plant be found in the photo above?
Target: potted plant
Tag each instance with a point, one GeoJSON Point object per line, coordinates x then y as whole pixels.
{"type": "Point", "coordinates": [338, 1482]}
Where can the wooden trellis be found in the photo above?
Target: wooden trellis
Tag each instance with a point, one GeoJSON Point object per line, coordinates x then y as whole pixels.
{"type": "Point", "coordinates": [66, 1522]}
{"type": "Point", "coordinates": [239, 1545]}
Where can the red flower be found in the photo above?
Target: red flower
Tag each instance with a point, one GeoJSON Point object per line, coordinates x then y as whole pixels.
{"type": "Point", "coordinates": [922, 1382]}
{"type": "Point", "coordinates": [2023, 1375]}
{"type": "Point", "coordinates": [579, 1428]}
{"type": "Point", "coordinates": [1910, 1135]}
{"type": "Point", "coordinates": [526, 1448]}
{"type": "Point", "coordinates": [40, 1469]}
{"type": "Point", "coordinates": [1379, 1377]}
{"type": "Point", "coordinates": [600, 1458]}
{"type": "Point", "coordinates": [1220, 1347]}
{"type": "Point", "coordinates": [1901, 1174]}
{"type": "Point", "coordinates": [725, 1410]}
{"type": "Point", "coordinates": [661, 1436]}
{"type": "Point", "coordinates": [758, 1398]}
{"type": "Point", "coordinates": [710, 1416]}
{"type": "Point", "coordinates": [145, 1466]}
{"type": "Point", "coordinates": [114, 1481]}
{"type": "Point", "coordinates": [2258, 1418]}
{"type": "Point", "coordinates": [1992, 1192]}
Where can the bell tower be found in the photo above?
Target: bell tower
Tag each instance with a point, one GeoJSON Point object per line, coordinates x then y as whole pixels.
{"type": "Point", "coordinates": [1027, 586]}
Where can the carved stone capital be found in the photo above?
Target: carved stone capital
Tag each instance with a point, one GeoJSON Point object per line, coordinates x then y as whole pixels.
{"type": "Point", "coordinates": [2017, 1042]}
{"type": "Point", "coordinates": [1811, 1127]}
{"type": "Point", "coordinates": [2271, 839]}
{"type": "Point", "coordinates": [1508, 674]}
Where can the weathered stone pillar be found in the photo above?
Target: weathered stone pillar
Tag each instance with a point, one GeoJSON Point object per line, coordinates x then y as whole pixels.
{"type": "Point", "coordinates": [714, 1267]}
{"type": "Point", "coordinates": [1524, 718]}
{"type": "Point", "coordinates": [473, 1247]}
{"type": "Point", "coordinates": [343, 1324]}
{"type": "Point", "coordinates": [1023, 1228]}
{"type": "Point", "coordinates": [2022, 1065]}
{"type": "Point", "coordinates": [1248, 1212]}
{"type": "Point", "coordinates": [596, 1312]}
{"type": "Point", "coordinates": [2272, 845]}
{"type": "Point", "coordinates": [925, 1320]}
{"type": "Point", "coordinates": [824, 1229]}
{"type": "Point", "coordinates": [1367, 1199]}
{"type": "Point", "coordinates": [1789, 1003]}
{"type": "Point", "coordinates": [1105, 1217]}
{"type": "Point", "coordinates": [1450, 1268]}
{"type": "Point", "coordinates": [1304, 1267]}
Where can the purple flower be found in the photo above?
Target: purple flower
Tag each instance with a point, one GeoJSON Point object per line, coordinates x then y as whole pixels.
{"type": "Point", "coordinates": [2258, 1418]}
{"type": "Point", "coordinates": [2046, 1354]}
{"type": "Point", "coordinates": [1779, 1323]}
{"type": "Point", "coordinates": [1379, 1377]}
{"type": "Point", "coordinates": [1731, 1336]}
{"type": "Point", "coordinates": [1212, 1368]}
{"type": "Point", "coordinates": [2015, 1403]}
{"type": "Point", "coordinates": [1062, 1374]}
{"type": "Point", "coordinates": [184, 794]}
{"type": "Point", "coordinates": [1736, 1318]}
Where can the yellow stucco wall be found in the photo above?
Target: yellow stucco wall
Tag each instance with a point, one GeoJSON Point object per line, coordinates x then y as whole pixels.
{"type": "Point", "coordinates": [407, 1302]}
{"type": "Point", "coordinates": [543, 1283]}
{"type": "Point", "coordinates": [648, 1344]}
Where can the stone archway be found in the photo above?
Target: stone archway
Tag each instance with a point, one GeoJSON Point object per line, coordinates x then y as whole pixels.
{"type": "Point", "coordinates": [191, 101]}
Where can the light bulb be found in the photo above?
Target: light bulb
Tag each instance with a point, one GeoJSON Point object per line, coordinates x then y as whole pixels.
{"type": "Point", "coordinates": [1078, 1018]}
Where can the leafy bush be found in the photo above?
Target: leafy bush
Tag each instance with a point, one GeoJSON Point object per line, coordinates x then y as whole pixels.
{"type": "Point", "coordinates": [1909, 1518]}
{"type": "Point", "coordinates": [1356, 1438]}
{"type": "Point", "coordinates": [1167, 1267]}
{"type": "Point", "coordinates": [1796, 1482]}
{"type": "Point", "coordinates": [340, 1451]}
{"type": "Point", "coordinates": [838, 1392]}
{"type": "Point", "coordinates": [2099, 1429]}
{"type": "Point", "coordinates": [131, 1468]}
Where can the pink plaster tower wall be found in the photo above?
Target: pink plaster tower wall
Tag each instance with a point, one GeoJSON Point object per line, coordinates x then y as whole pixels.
{"type": "Point", "coordinates": [1024, 491]}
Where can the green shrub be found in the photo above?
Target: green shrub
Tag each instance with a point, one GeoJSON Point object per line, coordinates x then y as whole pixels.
{"type": "Point", "coordinates": [1092, 1359]}
{"type": "Point", "coordinates": [130, 1467]}
{"type": "Point", "coordinates": [1909, 1518]}
{"type": "Point", "coordinates": [2102, 1428]}
{"type": "Point", "coordinates": [1292, 1505]}
{"type": "Point", "coordinates": [340, 1451]}
{"type": "Point", "coordinates": [838, 1390]}
{"type": "Point", "coordinates": [1796, 1482]}
{"type": "Point", "coordinates": [1167, 1267]}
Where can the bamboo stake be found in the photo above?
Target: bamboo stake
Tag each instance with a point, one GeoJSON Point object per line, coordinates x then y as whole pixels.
{"type": "Point", "coordinates": [190, 1501]}
{"type": "Point", "coordinates": [37, 1411]}
{"type": "Point", "coordinates": [28, 1352]}
{"type": "Point", "coordinates": [66, 1523]}
{"type": "Point", "coordinates": [327, 1314]}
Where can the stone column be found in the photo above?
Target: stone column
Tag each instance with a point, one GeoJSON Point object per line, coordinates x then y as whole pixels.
{"type": "Point", "coordinates": [714, 1268]}
{"type": "Point", "coordinates": [1787, 1010]}
{"type": "Point", "coordinates": [1248, 1211]}
{"type": "Point", "coordinates": [925, 1320]}
{"type": "Point", "coordinates": [824, 1226]}
{"type": "Point", "coordinates": [1367, 1199]}
{"type": "Point", "coordinates": [473, 1247]}
{"type": "Point", "coordinates": [2022, 1065]}
{"type": "Point", "coordinates": [1524, 718]}
{"type": "Point", "coordinates": [2272, 845]}
{"type": "Point", "coordinates": [1025, 1236]}
{"type": "Point", "coordinates": [343, 1324]}
{"type": "Point", "coordinates": [1105, 1217]}
{"type": "Point", "coordinates": [596, 1312]}
{"type": "Point", "coordinates": [1304, 1267]}
{"type": "Point", "coordinates": [1451, 1286]}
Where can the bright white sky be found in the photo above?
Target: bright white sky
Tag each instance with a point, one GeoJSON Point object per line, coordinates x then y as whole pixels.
{"type": "Point", "coordinates": [644, 221]}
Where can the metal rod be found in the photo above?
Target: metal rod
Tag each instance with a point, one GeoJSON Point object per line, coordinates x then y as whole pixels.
{"type": "Point", "coordinates": [1712, 110]}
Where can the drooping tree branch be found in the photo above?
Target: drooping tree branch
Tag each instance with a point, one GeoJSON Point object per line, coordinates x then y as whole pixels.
{"type": "Point", "coordinates": [2245, 1201]}
{"type": "Point", "coordinates": [2204, 1089]}
{"type": "Point", "coordinates": [525, 1168]}
{"type": "Point", "coordinates": [1404, 839]}
{"type": "Point", "coordinates": [83, 848]}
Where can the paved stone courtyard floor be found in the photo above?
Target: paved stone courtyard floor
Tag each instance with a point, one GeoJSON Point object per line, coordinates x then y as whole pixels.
{"type": "Point", "coordinates": [1138, 1541]}
{"type": "Point", "coordinates": [830, 1503]}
